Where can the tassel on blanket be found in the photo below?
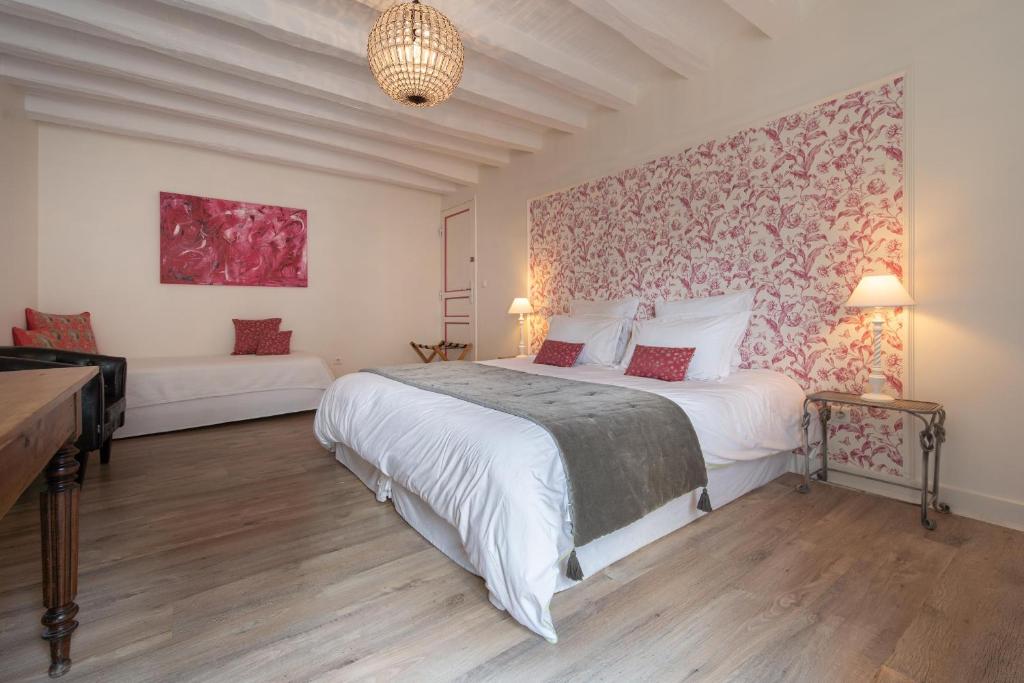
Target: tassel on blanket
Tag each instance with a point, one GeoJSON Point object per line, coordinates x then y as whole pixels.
{"type": "Point", "coordinates": [704, 503]}
{"type": "Point", "coordinates": [573, 570]}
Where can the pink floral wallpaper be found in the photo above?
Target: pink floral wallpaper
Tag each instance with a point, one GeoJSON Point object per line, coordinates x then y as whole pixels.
{"type": "Point", "coordinates": [798, 208]}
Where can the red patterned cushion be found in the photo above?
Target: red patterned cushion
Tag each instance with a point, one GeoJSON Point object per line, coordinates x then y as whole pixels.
{"type": "Point", "coordinates": [562, 354]}
{"type": "Point", "coordinates": [660, 362]}
{"type": "Point", "coordinates": [68, 332]}
{"type": "Point", "coordinates": [37, 338]}
{"type": "Point", "coordinates": [249, 332]}
{"type": "Point", "coordinates": [277, 344]}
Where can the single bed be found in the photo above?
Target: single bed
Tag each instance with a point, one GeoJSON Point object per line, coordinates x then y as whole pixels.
{"type": "Point", "coordinates": [167, 394]}
{"type": "Point", "coordinates": [489, 489]}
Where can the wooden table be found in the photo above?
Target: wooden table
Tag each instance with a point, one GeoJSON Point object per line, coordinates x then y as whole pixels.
{"type": "Point", "coordinates": [40, 419]}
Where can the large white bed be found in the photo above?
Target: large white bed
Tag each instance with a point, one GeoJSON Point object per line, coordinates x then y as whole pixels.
{"type": "Point", "coordinates": [489, 489]}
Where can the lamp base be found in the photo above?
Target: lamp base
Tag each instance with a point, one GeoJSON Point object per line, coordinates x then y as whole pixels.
{"type": "Point", "coordinates": [877, 398]}
{"type": "Point", "coordinates": [522, 336]}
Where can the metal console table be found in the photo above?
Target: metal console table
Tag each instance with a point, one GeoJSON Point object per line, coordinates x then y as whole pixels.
{"type": "Point", "coordinates": [933, 434]}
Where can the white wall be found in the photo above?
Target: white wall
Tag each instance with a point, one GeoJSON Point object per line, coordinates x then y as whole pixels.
{"type": "Point", "coordinates": [18, 235]}
{"type": "Point", "coordinates": [373, 252]}
{"type": "Point", "coordinates": [965, 97]}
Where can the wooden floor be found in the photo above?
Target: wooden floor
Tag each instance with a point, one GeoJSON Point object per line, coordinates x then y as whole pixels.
{"type": "Point", "coordinates": [245, 553]}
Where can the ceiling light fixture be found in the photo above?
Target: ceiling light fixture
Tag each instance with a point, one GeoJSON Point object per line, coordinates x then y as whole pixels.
{"type": "Point", "coordinates": [415, 54]}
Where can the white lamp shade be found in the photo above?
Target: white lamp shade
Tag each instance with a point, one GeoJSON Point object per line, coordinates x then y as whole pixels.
{"type": "Point", "coordinates": [520, 305]}
{"type": "Point", "coordinates": [879, 291]}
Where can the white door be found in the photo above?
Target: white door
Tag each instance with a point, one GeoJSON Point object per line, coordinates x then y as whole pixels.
{"type": "Point", "coordinates": [458, 275]}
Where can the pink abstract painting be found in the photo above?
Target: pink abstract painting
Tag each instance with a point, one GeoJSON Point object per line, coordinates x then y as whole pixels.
{"type": "Point", "coordinates": [206, 241]}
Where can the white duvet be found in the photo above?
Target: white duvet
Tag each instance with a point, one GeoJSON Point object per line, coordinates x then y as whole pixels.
{"type": "Point", "coordinates": [498, 479]}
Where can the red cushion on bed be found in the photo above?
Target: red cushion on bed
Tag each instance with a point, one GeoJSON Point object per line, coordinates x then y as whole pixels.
{"type": "Point", "coordinates": [249, 332]}
{"type": "Point", "coordinates": [660, 362]}
{"type": "Point", "coordinates": [38, 338]}
{"type": "Point", "coordinates": [562, 354]}
{"type": "Point", "coordinates": [277, 344]}
{"type": "Point", "coordinates": [69, 332]}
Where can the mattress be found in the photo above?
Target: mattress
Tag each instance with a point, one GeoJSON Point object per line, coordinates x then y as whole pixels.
{"type": "Point", "coordinates": [497, 480]}
{"type": "Point", "coordinates": [166, 394]}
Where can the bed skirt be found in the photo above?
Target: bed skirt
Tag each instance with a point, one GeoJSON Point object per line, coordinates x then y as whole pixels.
{"type": "Point", "coordinates": [727, 483]}
{"type": "Point", "coordinates": [203, 412]}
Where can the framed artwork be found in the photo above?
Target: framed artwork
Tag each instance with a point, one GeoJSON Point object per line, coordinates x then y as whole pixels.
{"type": "Point", "coordinates": [206, 241]}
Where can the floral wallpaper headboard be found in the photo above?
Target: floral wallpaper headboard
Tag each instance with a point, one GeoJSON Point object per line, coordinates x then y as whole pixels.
{"type": "Point", "coordinates": [798, 208]}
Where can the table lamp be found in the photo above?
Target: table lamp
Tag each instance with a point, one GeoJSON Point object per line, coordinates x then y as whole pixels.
{"type": "Point", "coordinates": [521, 305]}
{"type": "Point", "coordinates": [878, 292]}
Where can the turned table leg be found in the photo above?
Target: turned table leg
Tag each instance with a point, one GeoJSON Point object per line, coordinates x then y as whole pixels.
{"type": "Point", "coordinates": [58, 507]}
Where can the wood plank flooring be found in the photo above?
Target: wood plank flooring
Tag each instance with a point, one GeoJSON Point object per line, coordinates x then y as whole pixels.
{"type": "Point", "coordinates": [246, 553]}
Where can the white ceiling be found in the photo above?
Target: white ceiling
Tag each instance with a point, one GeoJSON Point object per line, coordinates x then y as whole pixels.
{"type": "Point", "coordinates": [287, 81]}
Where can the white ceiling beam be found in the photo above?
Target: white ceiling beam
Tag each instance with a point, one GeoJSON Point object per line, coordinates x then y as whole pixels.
{"type": "Point", "coordinates": [770, 17]}
{"type": "Point", "coordinates": [522, 51]}
{"type": "Point", "coordinates": [239, 53]}
{"type": "Point", "coordinates": [59, 46]}
{"type": "Point", "coordinates": [483, 82]}
{"type": "Point", "coordinates": [687, 55]}
{"type": "Point", "coordinates": [36, 76]}
{"type": "Point", "coordinates": [154, 126]}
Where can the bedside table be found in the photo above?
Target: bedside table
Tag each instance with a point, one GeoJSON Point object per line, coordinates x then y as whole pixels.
{"type": "Point", "coordinates": [933, 434]}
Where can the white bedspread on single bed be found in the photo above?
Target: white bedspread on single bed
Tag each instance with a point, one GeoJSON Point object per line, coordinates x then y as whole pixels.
{"type": "Point", "coordinates": [498, 479]}
{"type": "Point", "coordinates": [156, 381]}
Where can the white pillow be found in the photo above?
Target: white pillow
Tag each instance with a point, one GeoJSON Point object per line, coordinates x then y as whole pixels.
{"type": "Point", "coordinates": [620, 308]}
{"type": "Point", "coordinates": [708, 306]}
{"type": "Point", "coordinates": [714, 338]}
{"type": "Point", "coordinates": [627, 325]}
{"type": "Point", "coordinates": [600, 336]}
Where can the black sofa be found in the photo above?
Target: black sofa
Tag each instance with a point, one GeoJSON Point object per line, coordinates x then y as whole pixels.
{"type": "Point", "coordinates": [103, 403]}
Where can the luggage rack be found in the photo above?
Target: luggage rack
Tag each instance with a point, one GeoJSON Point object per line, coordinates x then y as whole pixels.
{"type": "Point", "coordinates": [441, 350]}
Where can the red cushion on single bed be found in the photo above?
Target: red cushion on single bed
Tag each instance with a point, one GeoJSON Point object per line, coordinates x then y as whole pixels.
{"type": "Point", "coordinates": [559, 353]}
{"type": "Point", "coordinates": [660, 362]}
{"type": "Point", "coordinates": [277, 344]}
{"type": "Point", "coordinates": [248, 334]}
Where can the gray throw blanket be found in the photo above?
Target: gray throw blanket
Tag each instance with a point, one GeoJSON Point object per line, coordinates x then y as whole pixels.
{"type": "Point", "coordinates": [625, 452]}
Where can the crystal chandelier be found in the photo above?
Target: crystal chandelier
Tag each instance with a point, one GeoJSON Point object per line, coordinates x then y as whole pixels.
{"type": "Point", "coordinates": [415, 54]}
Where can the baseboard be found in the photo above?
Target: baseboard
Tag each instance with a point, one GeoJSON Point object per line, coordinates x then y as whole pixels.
{"type": "Point", "coordinates": [1001, 511]}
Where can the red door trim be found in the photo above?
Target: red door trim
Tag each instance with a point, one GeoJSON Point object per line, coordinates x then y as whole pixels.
{"type": "Point", "coordinates": [454, 315]}
{"type": "Point", "coordinates": [446, 324]}
{"type": "Point", "coordinates": [445, 265]}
